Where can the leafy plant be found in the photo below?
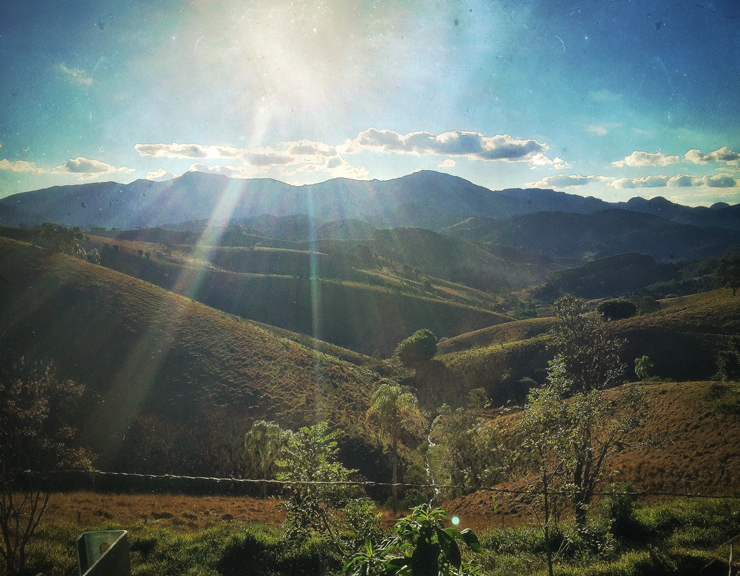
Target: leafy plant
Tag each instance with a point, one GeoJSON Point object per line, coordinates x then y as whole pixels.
{"type": "Point", "coordinates": [316, 484]}
{"type": "Point", "coordinates": [422, 546]}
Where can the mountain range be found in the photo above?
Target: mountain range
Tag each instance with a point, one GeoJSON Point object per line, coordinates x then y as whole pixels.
{"type": "Point", "coordinates": [424, 199]}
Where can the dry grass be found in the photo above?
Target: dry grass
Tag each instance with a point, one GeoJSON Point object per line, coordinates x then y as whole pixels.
{"type": "Point", "coordinates": [696, 453]}
{"type": "Point", "coordinates": [187, 513]}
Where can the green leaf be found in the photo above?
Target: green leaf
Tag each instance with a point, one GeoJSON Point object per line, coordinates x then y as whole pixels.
{"type": "Point", "coordinates": [471, 540]}
{"type": "Point", "coordinates": [454, 533]}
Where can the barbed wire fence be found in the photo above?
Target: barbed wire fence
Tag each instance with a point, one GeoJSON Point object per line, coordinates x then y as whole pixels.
{"type": "Point", "coordinates": [368, 483]}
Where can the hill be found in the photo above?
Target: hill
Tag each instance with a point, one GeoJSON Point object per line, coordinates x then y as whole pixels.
{"type": "Point", "coordinates": [598, 235]}
{"type": "Point", "coordinates": [461, 261]}
{"type": "Point", "coordinates": [301, 298]}
{"type": "Point", "coordinates": [682, 340]}
{"type": "Point", "coordinates": [693, 450]}
{"type": "Point", "coordinates": [173, 384]}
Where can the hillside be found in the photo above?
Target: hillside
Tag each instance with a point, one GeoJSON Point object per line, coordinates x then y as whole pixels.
{"type": "Point", "coordinates": [461, 261]}
{"type": "Point", "coordinates": [159, 366]}
{"type": "Point", "coordinates": [598, 235]}
{"type": "Point", "coordinates": [682, 340]}
{"type": "Point", "coordinates": [350, 314]}
{"type": "Point", "coordinates": [694, 450]}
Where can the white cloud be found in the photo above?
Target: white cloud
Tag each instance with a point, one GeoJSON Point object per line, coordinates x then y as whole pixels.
{"type": "Point", "coordinates": [87, 169]}
{"type": "Point", "coordinates": [20, 166]}
{"type": "Point", "coordinates": [678, 181]}
{"type": "Point", "coordinates": [448, 163]}
{"type": "Point", "coordinates": [603, 129]}
{"type": "Point", "coordinates": [638, 158]}
{"type": "Point", "coordinates": [229, 171]}
{"type": "Point", "coordinates": [75, 75]}
{"type": "Point", "coordinates": [472, 145]}
{"type": "Point", "coordinates": [719, 181]}
{"type": "Point", "coordinates": [723, 154]}
{"type": "Point", "coordinates": [567, 181]}
{"type": "Point", "coordinates": [187, 151]}
{"type": "Point", "coordinates": [160, 175]}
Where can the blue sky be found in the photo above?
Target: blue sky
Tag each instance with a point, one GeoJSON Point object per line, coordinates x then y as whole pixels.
{"type": "Point", "coordinates": [606, 98]}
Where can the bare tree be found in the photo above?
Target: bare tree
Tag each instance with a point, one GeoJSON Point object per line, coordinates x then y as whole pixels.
{"type": "Point", "coordinates": [34, 441]}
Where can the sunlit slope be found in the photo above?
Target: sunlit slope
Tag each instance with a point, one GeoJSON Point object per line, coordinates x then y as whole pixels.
{"type": "Point", "coordinates": [682, 340]}
{"type": "Point", "coordinates": [462, 261]}
{"type": "Point", "coordinates": [349, 314]}
{"type": "Point", "coordinates": [692, 449]}
{"type": "Point", "coordinates": [163, 368]}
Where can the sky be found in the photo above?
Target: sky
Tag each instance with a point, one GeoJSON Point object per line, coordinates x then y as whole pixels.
{"type": "Point", "coordinates": [605, 98]}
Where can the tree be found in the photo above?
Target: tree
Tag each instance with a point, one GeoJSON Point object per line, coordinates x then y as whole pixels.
{"type": "Point", "coordinates": [309, 464]}
{"type": "Point", "coordinates": [617, 309]}
{"type": "Point", "coordinates": [582, 433]}
{"type": "Point", "coordinates": [590, 356]}
{"type": "Point", "coordinates": [264, 444]}
{"type": "Point", "coordinates": [58, 238]}
{"type": "Point", "coordinates": [395, 411]}
{"type": "Point", "coordinates": [34, 437]}
{"type": "Point", "coordinates": [643, 367]}
{"type": "Point", "coordinates": [728, 272]}
{"type": "Point", "coordinates": [469, 453]}
{"type": "Point", "coordinates": [417, 349]}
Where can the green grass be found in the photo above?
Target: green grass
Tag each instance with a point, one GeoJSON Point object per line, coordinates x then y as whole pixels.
{"type": "Point", "coordinates": [684, 536]}
{"type": "Point", "coordinates": [228, 549]}
{"type": "Point", "coordinates": [680, 537]}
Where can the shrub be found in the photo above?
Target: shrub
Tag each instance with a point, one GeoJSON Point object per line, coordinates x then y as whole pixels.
{"type": "Point", "coordinates": [617, 309]}
{"type": "Point", "coordinates": [418, 348]}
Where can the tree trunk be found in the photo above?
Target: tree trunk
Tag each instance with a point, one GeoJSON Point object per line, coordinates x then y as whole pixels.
{"type": "Point", "coordinates": [394, 463]}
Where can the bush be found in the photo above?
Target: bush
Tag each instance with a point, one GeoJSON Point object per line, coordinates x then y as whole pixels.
{"type": "Point", "coordinates": [617, 509]}
{"type": "Point", "coordinates": [418, 348]}
{"type": "Point", "coordinates": [617, 309]}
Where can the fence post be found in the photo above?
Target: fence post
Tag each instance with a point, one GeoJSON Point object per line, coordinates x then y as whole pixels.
{"type": "Point", "coordinates": [103, 553]}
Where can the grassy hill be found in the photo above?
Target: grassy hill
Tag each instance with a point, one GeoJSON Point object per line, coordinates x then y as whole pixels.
{"type": "Point", "coordinates": [353, 315]}
{"type": "Point", "coordinates": [173, 384]}
{"type": "Point", "coordinates": [694, 450]}
{"type": "Point", "coordinates": [682, 340]}
{"type": "Point", "coordinates": [461, 261]}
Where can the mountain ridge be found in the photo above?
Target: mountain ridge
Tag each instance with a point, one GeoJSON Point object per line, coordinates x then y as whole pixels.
{"type": "Point", "coordinates": [424, 199]}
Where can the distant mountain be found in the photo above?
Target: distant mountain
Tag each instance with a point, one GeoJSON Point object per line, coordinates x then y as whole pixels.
{"type": "Point", "coordinates": [428, 199]}
{"type": "Point", "coordinates": [597, 235]}
{"type": "Point", "coordinates": [719, 215]}
{"type": "Point", "coordinates": [424, 199]}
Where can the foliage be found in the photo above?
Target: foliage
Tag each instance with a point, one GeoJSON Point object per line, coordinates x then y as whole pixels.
{"type": "Point", "coordinates": [361, 523]}
{"type": "Point", "coordinates": [728, 361]}
{"type": "Point", "coordinates": [264, 444]}
{"type": "Point", "coordinates": [417, 349]}
{"type": "Point", "coordinates": [572, 441]}
{"type": "Point", "coordinates": [309, 463]}
{"type": "Point", "coordinates": [618, 510]}
{"type": "Point", "coordinates": [395, 411]}
{"type": "Point", "coordinates": [472, 454]}
{"type": "Point", "coordinates": [422, 546]}
{"type": "Point", "coordinates": [617, 309]}
{"type": "Point", "coordinates": [33, 437]}
{"type": "Point", "coordinates": [643, 368]}
{"type": "Point", "coordinates": [728, 272]}
{"type": "Point", "coordinates": [58, 238]}
{"type": "Point", "coordinates": [588, 354]}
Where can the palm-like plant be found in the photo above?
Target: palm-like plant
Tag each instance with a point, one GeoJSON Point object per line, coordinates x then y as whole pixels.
{"type": "Point", "coordinates": [264, 445]}
{"type": "Point", "coordinates": [395, 411]}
